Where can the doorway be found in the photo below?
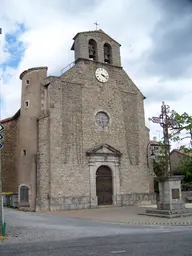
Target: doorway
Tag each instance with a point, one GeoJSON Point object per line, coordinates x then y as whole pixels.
{"type": "Point", "coordinates": [104, 186]}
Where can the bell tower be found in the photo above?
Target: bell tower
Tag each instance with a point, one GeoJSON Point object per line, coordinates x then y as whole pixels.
{"type": "Point", "coordinates": [96, 46]}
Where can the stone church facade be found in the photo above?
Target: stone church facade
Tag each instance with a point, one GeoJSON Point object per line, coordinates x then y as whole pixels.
{"type": "Point", "coordinates": [79, 139]}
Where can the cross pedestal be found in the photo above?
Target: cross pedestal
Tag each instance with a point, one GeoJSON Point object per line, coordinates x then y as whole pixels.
{"type": "Point", "coordinates": [170, 203]}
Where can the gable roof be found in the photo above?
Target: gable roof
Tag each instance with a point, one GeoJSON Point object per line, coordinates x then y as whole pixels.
{"type": "Point", "coordinates": [93, 31]}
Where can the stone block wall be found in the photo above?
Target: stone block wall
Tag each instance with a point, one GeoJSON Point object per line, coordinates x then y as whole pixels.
{"type": "Point", "coordinates": [9, 156]}
{"type": "Point", "coordinates": [72, 101]}
{"type": "Point", "coordinates": [138, 199]}
{"type": "Point", "coordinates": [186, 194]}
{"type": "Point", "coordinates": [81, 46]}
{"type": "Point", "coordinates": [31, 93]}
{"type": "Point", "coordinates": [43, 164]}
{"type": "Point", "coordinates": [70, 203]}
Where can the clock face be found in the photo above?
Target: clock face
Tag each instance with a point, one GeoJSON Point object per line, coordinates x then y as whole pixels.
{"type": "Point", "coordinates": [102, 75]}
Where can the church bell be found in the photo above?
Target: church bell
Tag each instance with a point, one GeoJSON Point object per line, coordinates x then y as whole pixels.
{"type": "Point", "coordinates": [91, 52]}
{"type": "Point", "coordinates": [106, 58]}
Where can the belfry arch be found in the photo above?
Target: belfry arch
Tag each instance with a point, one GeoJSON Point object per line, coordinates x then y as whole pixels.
{"type": "Point", "coordinates": [107, 53]}
{"type": "Point", "coordinates": [92, 47]}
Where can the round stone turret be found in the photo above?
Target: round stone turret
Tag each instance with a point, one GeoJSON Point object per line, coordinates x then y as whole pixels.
{"type": "Point", "coordinates": [31, 70]}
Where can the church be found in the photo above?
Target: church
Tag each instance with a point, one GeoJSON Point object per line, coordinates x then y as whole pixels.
{"type": "Point", "coordinates": [79, 139]}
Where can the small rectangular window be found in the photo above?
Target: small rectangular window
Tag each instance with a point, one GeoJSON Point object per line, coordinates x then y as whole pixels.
{"type": "Point", "coordinates": [27, 81]}
{"type": "Point", "coordinates": [27, 104]}
{"type": "Point", "coordinates": [24, 152]}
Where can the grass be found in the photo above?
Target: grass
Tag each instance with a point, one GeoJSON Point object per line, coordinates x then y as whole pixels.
{"type": "Point", "coordinates": [3, 238]}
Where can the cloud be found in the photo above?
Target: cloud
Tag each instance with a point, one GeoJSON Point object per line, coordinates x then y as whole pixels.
{"type": "Point", "coordinates": [46, 34]}
{"type": "Point", "coordinates": [171, 53]}
{"type": "Point", "coordinates": [13, 48]}
{"type": "Point", "coordinates": [154, 53]}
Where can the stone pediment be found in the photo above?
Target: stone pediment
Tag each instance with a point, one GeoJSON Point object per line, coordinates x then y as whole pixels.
{"type": "Point", "coordinates": [104, 149]}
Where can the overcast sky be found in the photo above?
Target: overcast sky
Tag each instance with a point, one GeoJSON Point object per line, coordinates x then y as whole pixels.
{"type": "Point", "coordinates": [155, 36]}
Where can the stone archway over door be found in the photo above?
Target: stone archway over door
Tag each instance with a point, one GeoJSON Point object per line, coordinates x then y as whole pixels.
{"type": "Point", "coordinates": [100, 156]}
{"type": "Point", "coordinates": [104, 186]}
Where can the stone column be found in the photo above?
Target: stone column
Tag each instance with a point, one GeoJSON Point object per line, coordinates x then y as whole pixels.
{"type": "Point", "coordinates": [93, 197]}
{"type": "Point", "coordinates": [117, 180]}
{"type": "Point", "coordinates": [170, 194]}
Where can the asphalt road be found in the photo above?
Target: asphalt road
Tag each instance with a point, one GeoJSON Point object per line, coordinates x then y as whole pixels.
{"type": "Point", "coordinates": [52, 234]}
{"type": "Point", "coordinates": [156, 244]}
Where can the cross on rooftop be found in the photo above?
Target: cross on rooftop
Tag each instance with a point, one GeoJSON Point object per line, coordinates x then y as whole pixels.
{"type": "Point", "coordinates": [96, 24]}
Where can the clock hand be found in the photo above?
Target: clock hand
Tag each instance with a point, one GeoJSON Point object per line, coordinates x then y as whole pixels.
{"type": "Point", "coordinates": [103, 75]}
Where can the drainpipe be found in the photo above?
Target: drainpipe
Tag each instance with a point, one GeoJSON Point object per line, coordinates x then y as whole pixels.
{"type": "Point", "coordinates": [49, 181]}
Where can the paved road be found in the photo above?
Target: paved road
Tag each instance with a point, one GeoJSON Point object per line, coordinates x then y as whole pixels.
{"type": "Point", "coordinates": [23, 227]}
{"type": "Point", "coordinates": [54, 234]}
{"type": "Point", "coordinates": [178, 244]}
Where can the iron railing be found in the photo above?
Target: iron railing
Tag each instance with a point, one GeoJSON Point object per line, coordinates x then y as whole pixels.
{"type": "Point", "coordinates": [67, 67]}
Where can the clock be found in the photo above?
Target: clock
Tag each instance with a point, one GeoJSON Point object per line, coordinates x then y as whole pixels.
{"type": "Point", "coordinates": [102, 75]}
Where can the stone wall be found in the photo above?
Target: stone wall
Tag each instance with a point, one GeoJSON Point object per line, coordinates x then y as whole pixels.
{"type": "Point", "coordinates": [9, 156]}
{"type": "Point", "coordinates": [129, 101]}
{"type": "Point", "coordinates": [81, 46]}
{"type": "Point", "coordinates": [31, 93]}
{"type": "Point", "coordinates": [43, 164]}
{"type": "Point", "coordinates": [70, 203]}
{"type": "Point", "coordinates": [69, 175]}
{"type": "Point", "coordinates": [186, 194]}
{"type": "Point", "coordinates": [138, 199]}
{"type": "Point", "coordinates": [83, 202]}
{"type": "Point", "coordinates": [73, 101]}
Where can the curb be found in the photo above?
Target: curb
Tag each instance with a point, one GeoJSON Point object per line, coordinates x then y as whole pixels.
{"type": "Point", "coordinates": [148, 223]}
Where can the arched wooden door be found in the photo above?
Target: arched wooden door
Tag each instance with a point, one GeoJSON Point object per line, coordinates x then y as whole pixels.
{"type": "Point", "coordinates": [104, 186]}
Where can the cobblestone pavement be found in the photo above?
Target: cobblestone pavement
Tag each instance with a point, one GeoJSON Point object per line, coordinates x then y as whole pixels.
{"type": "Point", "coordinates": [126, 215]}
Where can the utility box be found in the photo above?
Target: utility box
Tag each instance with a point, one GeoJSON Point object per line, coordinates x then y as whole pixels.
{"type": "Point", "coordinates": [14, 201]}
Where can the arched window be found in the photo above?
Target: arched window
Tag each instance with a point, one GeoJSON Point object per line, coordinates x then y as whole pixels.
{"type": "Point", "coordinates": [92, 49]}
{"type": "Point", "coordinates": [24, 195]}
{"type": "Point", "coordinates": [107, 53]}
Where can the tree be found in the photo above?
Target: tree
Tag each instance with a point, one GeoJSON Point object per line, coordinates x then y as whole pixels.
{"type": "Point", "coordinates": [185, 126]}
{"type": "Point", "coordinates": [159, 165]}
{"type": "Point", "coordinates": [159, 161]}
{"type": "Point", "coordinates": [185, 169]}
{"type": "Point", "coordinates": [183, 132]}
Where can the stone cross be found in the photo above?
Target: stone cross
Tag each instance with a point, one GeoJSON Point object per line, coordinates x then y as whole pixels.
{"type": "Point", "coordinates": [166, 121]}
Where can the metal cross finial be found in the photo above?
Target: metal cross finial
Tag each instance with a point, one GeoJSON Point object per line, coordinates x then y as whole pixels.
{"type": "Point", "coordinates": [166, 120]}
{"type": "Point", "coordinates": [96, 24]}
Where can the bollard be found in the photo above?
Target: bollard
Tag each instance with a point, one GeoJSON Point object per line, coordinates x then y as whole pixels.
{"type": "Point", "coordinates": [4, 229]}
